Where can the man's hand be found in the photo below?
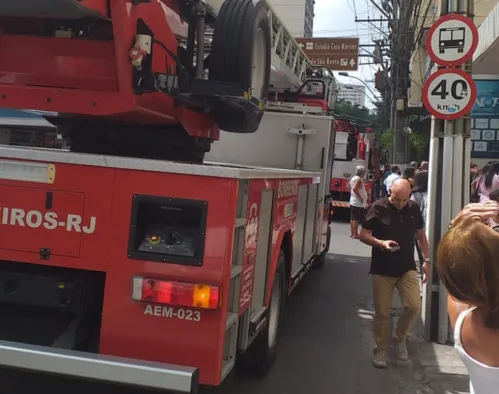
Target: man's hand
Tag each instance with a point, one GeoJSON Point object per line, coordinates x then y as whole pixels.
{"type": "Point", "coordinates": [482, 211]}
{"type": "Point", "coordinates": [389, 245]}
{"type": "Point", "coordinates": [425, 270]}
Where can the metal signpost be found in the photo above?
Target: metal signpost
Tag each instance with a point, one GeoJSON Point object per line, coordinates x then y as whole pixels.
{"type": "Point", "coordinates": [449, 95]}
{"type": "Point", "coordinates": [338, 54]}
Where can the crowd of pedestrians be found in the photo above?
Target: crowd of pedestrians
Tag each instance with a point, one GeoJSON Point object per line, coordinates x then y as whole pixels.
{"type": "Point", "coordinates": [484, 181]}
{"type": "Point", "coordinates": [467, 264]}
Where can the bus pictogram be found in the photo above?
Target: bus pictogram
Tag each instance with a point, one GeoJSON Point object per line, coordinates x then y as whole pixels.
{"type": "Point", "coordinates": [452, 38]}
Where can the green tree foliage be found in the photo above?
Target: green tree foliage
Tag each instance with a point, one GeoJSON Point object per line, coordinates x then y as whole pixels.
{"type": "Point", "coordinates": [416, 147]}
{"type": "Point", "coordinates": [385, 141]}
{"type": "Point", "coordinates": [360, 115]}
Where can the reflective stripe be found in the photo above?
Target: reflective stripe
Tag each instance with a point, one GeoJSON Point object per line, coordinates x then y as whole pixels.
{"type": "Point", "coordinates": [341, 204]}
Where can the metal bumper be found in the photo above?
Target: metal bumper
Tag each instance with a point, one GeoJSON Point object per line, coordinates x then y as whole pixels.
{"type": "Point", "coordinates": [170, 378]}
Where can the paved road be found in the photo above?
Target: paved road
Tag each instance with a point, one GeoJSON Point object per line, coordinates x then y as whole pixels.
{"type": "Point", "coordinates": [325, 345]}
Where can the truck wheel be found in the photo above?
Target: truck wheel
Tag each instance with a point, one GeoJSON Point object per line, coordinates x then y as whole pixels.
{"type": "Point", "coordinates": [240, 51]}
{"type": "Point", "coordinates": [262, 353]}
{"type": "Point", "coordinates": [321, 259]}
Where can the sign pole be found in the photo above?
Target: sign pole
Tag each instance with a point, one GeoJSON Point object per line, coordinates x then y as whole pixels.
{"type": "Point", "coordinates": [449, 177]}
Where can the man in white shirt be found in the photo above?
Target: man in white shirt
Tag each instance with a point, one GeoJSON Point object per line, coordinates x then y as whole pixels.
{"type": "Point", "coordinates": [358, 200]}
{"type": "Point", "coordinates": [396, 174]}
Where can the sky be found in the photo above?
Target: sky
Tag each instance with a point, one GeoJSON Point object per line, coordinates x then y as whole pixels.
{"type": "Point", "coordinates": [336, 18]}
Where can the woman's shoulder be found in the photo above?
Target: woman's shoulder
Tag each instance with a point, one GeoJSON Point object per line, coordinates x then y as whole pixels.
{"type": "Point", "coordinates": [455, 309]}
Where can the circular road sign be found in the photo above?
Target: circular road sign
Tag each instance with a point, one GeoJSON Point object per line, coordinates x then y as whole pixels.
{"type": "Point", "coordinates": [452, 40]}
{"type": "Point", "coordinates": [449, 93]}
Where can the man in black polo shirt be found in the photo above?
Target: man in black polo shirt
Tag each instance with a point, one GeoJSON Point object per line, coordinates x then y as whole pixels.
{"type": "Point", "coordinates": [390, 226]}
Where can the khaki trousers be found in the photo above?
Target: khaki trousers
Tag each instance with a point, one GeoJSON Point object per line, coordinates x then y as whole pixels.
{"type": "Point", "coordinates": [383, 286]}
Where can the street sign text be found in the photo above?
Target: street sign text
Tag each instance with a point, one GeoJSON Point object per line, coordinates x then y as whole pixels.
{"type": "Point", "coordinates": [338, 54]}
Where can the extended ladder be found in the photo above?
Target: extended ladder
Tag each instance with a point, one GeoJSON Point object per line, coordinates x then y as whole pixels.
{"type": "Point", "coordinates": [289, 62]}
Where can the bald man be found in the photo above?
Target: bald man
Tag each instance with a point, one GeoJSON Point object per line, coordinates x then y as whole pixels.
{"type": "Point", "coordinates": [390, 227]}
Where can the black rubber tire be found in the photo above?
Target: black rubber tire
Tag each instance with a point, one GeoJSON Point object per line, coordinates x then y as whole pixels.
{"type": "Point", "coordinates": [260, 357]}
{"type": "Point", "coordinates": [320, 260]}
{"type": "Point", "coordinates": [231, 55]}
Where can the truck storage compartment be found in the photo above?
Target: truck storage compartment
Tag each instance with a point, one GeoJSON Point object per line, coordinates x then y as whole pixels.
{"type": "Point", "coordinates": [166, 229]}
{"type": "Point", "coordinates": [27, 213]}
{"type": "Point", "coordinates": [51, 306]}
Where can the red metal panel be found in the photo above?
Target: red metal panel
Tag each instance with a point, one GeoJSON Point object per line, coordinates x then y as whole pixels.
{"type": "Point", "coordinates": [128, 328]}
{"type": "Point", "coordinates": [89, 76]}
{"type": "Point", "coordinates": [27, 225]}
{"type": "Point", "coordinates": [72, 185]}
{"type": "Point", "coordinates": [154, 336]}
{"type": "Point", "coordinates": [284, 222]}
{"type": "Point", "coordinates": [58, 63]}
{"type": "Point", "coordinates": [369, 185]}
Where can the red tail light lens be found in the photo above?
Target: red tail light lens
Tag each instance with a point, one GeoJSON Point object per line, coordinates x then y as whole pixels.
{"type": "Point", "coordinates": [175, 293]}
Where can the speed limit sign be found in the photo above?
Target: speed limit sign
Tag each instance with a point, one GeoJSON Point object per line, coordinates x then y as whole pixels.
{"type": "Point", "coordinates": [449, 93]}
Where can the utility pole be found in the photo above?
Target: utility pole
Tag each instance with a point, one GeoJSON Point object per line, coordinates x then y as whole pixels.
{"type": "Point", "coordinates": [448, 192]}
{"type": "Point", "coordinates": [401, 56]}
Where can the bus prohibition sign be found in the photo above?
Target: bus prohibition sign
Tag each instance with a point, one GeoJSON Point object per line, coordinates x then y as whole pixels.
{"type": "Point", "coordinates": [449, 93]}
{"type": "Point", "coordinates": [452, 40]}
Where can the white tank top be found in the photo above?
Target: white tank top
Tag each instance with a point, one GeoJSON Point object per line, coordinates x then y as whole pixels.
{"type": "Point", "coordinates": [354, 201]}
{"type": "Point", "coordinates": [483, 379]}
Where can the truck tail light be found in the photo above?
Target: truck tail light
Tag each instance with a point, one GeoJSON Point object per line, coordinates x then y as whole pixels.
{"type": "Point", "coordinates": [175, 293]}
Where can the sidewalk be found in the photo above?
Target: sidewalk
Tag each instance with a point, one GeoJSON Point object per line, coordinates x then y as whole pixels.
{"type": "Point", "coordinates": [436, 368]}
{"type": "Point", "coordinates": [433, 368]}
{"type": "Point", "coordinates": [442, 372]}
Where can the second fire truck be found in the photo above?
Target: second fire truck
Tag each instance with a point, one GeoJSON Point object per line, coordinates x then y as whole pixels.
{"type": "Point", "coordinates": [354, 147]}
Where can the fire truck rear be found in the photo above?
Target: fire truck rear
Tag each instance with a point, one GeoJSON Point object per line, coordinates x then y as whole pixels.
{"type": "Point", "coordinates": [353, 148]}
{"type": "Point", "coordinates": [133, 257]}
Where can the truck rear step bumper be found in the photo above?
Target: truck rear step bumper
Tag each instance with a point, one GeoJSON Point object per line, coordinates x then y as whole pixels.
{"type": "Point", "coordinates": [171, 378]}
{"type": "Point", "coordinates": [341, 204]}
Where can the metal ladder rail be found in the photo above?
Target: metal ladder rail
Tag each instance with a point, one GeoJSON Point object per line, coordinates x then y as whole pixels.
{"type": "Point", "coordinates": [232, 319]}
{"type": "Point", "coordinates": [287, 55]}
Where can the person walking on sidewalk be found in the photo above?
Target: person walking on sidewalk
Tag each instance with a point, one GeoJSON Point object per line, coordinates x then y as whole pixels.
{"type": "Point", "coordinates": [358, 200]}
{"type": "Point", "coordinates": [468, 265]}
{"type": "Point", "coordinates": [420, 197]}
{"type": "Point", "coordinates": [390, 227]}
{"type": "Point", "coordinates": [396, 174]}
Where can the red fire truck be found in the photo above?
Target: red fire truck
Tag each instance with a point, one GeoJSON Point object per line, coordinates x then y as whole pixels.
{"type": "Point", "coordinates": [353, 148]}
{"type": "Point", "coordinates": [133, 258]}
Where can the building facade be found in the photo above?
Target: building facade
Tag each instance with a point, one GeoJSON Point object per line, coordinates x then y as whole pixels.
{"type": "Point", "coordinates": [297, 15]}
{"type": "Point", "coordinates": [355, 94]}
